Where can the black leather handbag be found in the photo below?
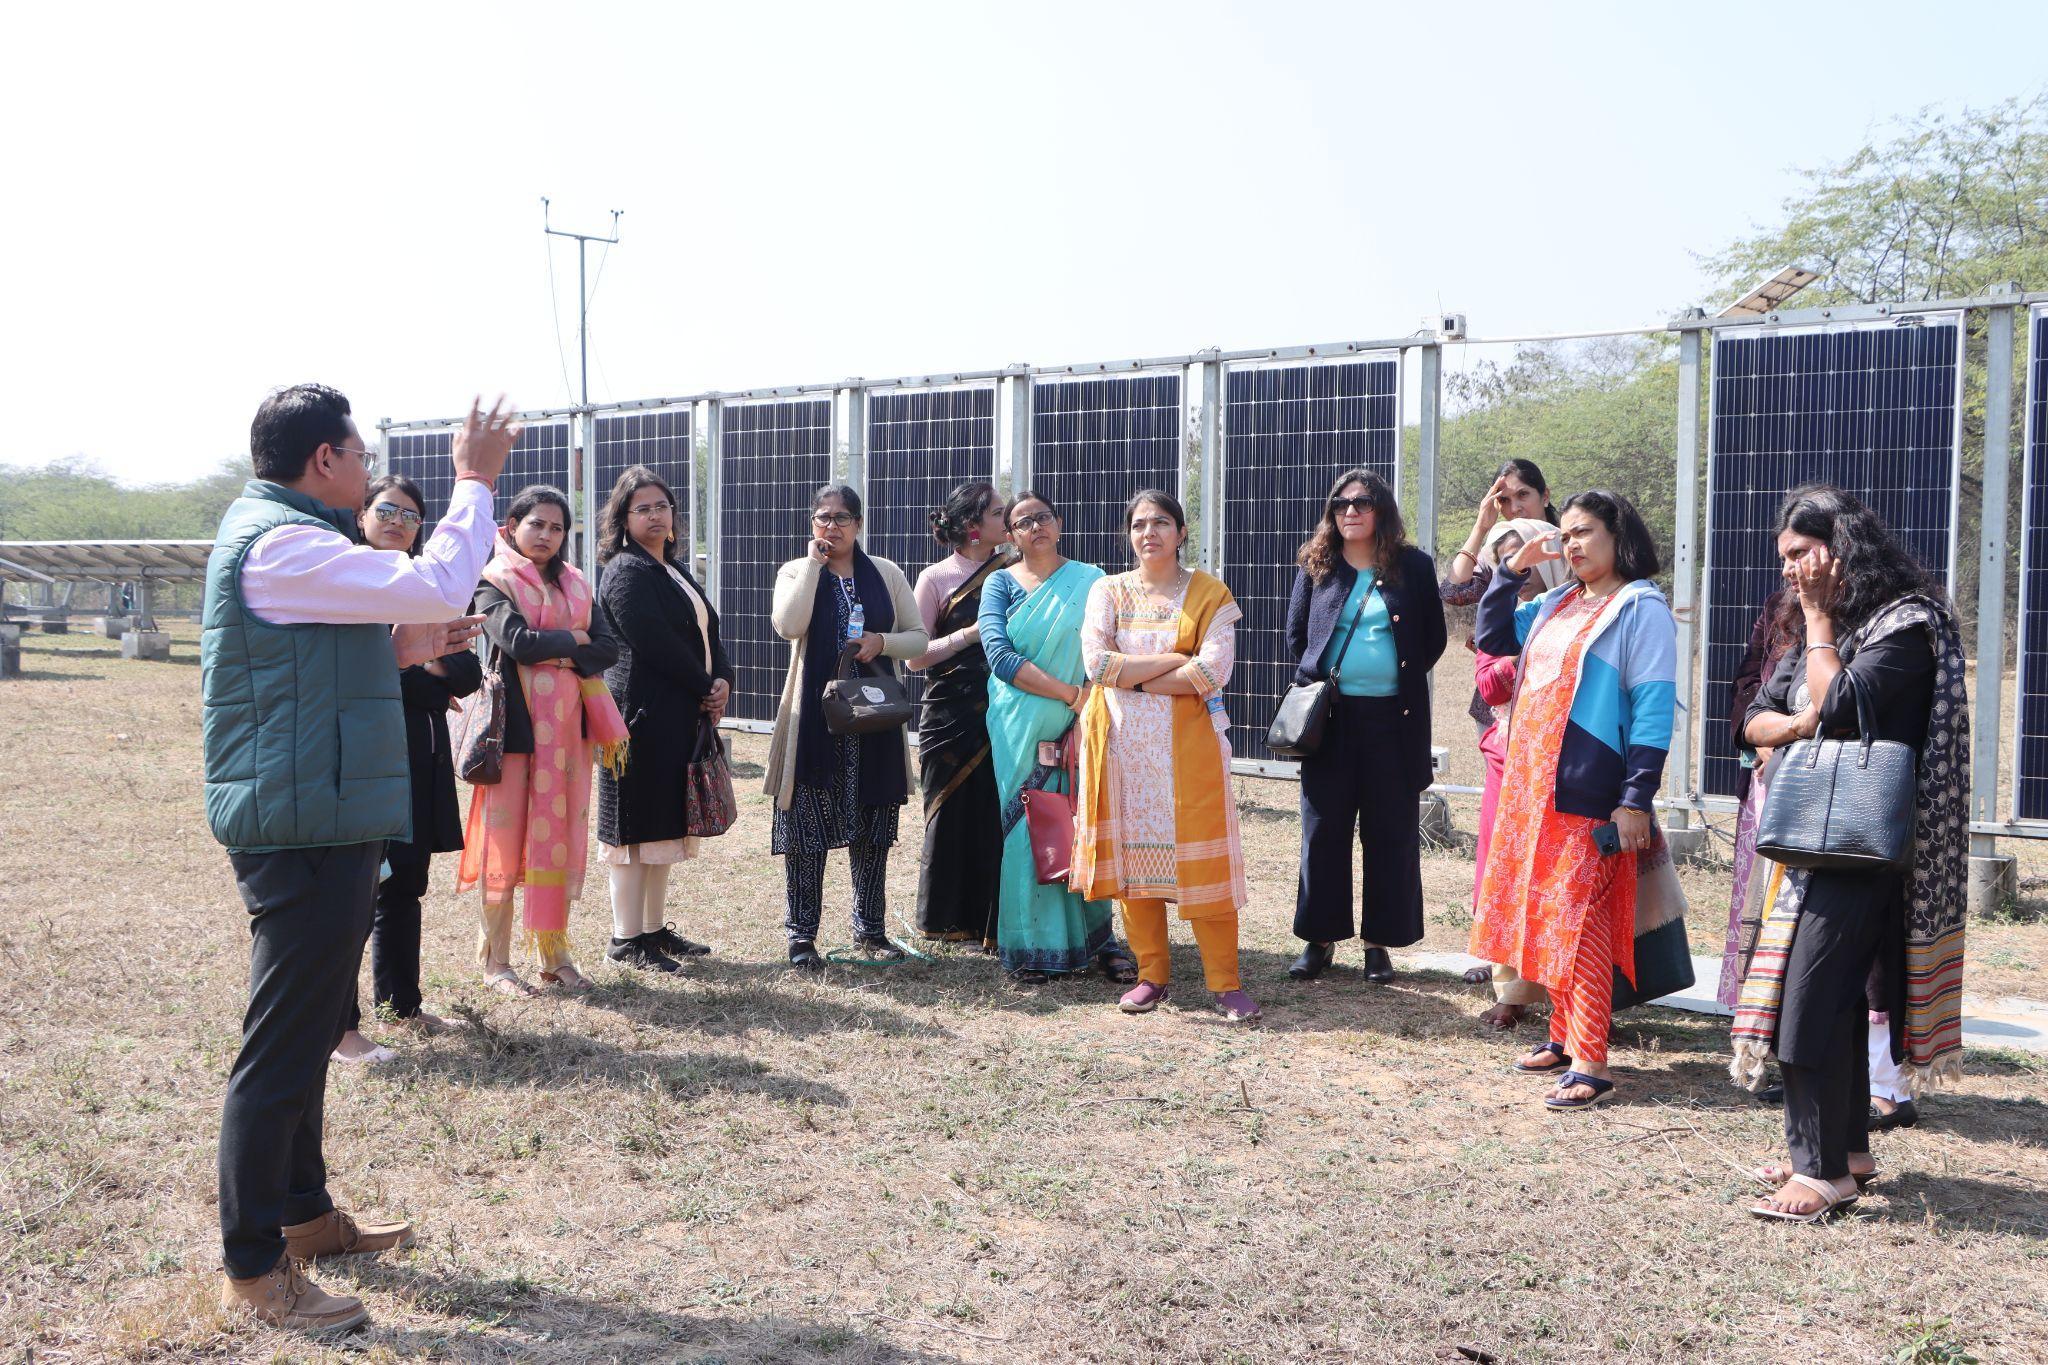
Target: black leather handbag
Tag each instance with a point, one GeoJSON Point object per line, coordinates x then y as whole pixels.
{"type": "Point", "coordinates": [1842, 804]}
{"type": "Point", "coordinates": [1304, 711]}
{"type": "Point", "coordinates": [864, 703]}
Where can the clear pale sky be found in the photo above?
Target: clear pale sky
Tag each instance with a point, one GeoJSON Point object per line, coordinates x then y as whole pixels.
{"type": "Point", "coordinates": [202, 202]}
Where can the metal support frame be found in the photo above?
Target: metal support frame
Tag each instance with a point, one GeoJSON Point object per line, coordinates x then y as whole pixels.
{"type": "Point", "coordinates": [1013, 442]}
{"type": "Point", "coordinates": [1679, 781]}
{"type": "Point", "coordinates": [850, 436]}
{"type": "Point", "coordinates": [714, 491]}
{"type": "Point", "coordinates": [1208, 436]}
{"type": "Point", "coordinates": [1990, 713]}
{"type": "Point", "coordinates": [1428, 444]}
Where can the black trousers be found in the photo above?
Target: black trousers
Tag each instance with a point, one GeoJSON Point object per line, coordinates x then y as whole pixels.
{"type": "Point", "coordinates": [309, 913]}
{"type": "Point", "coordinates": [1354, 787]}
{"type": "Point", "coordinates": [1824, 1030]}
{"type": "Point", "coordinates": [803, 878]}
{"type": "Point", "coordinates": [395, 935]}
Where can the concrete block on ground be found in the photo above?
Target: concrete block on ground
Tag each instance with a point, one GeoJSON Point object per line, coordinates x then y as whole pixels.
{"type": "Point", "coordinates": [146, 644]}
{"type": "Point", "coordinates": [111, 627]}
{"type": "Point", "coordinates": [1994, 883]}
{"type": "Point", "coordinates": [1688, 844]}
{"type": "Point", "coordinates": [56, 625]}
{"type": "Point", "coordinates": [10, 651]}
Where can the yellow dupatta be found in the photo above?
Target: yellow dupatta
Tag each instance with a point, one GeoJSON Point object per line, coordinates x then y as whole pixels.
{"type": "Point", "coordinates": [1208, 861]}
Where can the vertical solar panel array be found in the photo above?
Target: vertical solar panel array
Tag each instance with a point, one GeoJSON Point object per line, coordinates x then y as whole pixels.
{"type": "Point", "coordinates": [922, 443]}
{"type": "Point", "coordinates": [2030, 786]}
{"type": "Point", "coordinates": [422, 456]}
{"type": "Point", "coordinates": [541, 456]}
{"type": "Point", "coordinates": [772, 455]}
{"type": "Point", "coordinates": [661, 440]}
{"type": "Point", "coordinates": [1094, 442]}
{"type": "Point", "coordinates": [1869, 407]}
{"type": "Point", "coordinates": [1288, 432]}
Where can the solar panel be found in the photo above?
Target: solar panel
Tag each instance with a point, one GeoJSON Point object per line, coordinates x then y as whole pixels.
{"type": "Point", "coordinates": [772, 455]}
{"type": "Point", "coordinates": [663, 441]}
{"type": "Point", "coordinates": [422, 456]}
{"type": "Point", "coordinates": [1871, 407]}
{"type": "Point", "coordinates": [1288, 432]}
{"type": "Point", "coordinates": [1096, 441]}
{"type": "Point", "coordinates": [540, 456]}
{"type": "Point", "coordinates": [2030, 785]}
{"type": "Point", "coordinates": [922, 443]}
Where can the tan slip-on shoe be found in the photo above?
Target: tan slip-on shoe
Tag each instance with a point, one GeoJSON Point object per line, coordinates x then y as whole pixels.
{"type": "Point", "coordinates": [284, 1297]}
{"type": "Point", "coordinates": [334, 1233]}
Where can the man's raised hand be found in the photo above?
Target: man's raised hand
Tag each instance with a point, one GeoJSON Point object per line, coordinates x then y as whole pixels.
{"type": "Point", "coordinates": [484, 442]}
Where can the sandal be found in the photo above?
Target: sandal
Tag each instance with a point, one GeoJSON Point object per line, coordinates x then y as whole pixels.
{"type": "Point", "coordinates": [1030, 976]}
{"type": "Point", "coordinates": [1563, 1063]}
{"type": "Point", "coordinates": [567, 980]}
{"type": "Point", "coordinates": [1557, 1102]}
{"type": "Point", "coordinates": [1834, 1201]}
{"type": "Point", "coordinates": [1775, 1174]}
{"type": "Point", "coordinates": [505, 981]}
{"type": "Point", "coordinates": [1237, 1007]}
{"type": "Point", "coordinates": [1118, 965]}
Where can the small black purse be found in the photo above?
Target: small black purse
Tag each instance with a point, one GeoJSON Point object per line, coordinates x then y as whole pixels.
{"type": "Point", "coordinates": [1304, 711]}
{"type": "Point", "coordinates": [1842, 804]}
{"type": "Point", "coordinates": [864, 705]}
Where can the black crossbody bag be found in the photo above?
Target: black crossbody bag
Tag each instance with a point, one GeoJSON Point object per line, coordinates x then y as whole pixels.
{"type": "Point", "coordinates": [1304, 712]}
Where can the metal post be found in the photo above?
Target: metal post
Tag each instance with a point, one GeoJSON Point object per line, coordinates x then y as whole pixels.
{"type": "Point", "coordinates": [1991, 568]}
{"type": "Point", "coordinates": [714, 492]}
{"type": "Point", "coordinates": [1208, 440]}
{"type": "Point", "coordinates": [1679, 783]}
{"type": "Point", "coordinates": [1429, 439]}
{"type": "Point", "coordinates": [850, 413]}
{"type": "Point", "coordinates": [145, 603]}
{"type": "Point", "coordinates": [1019, 455]}
{"type": "Point", "coordinates": [593, 496]}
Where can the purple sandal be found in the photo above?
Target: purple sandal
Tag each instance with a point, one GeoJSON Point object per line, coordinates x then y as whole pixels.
{"type": "Point", "coordinates": [1142, 998]}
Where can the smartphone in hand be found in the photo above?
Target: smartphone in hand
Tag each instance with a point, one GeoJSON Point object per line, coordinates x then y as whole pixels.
{"type": "Point", "coordinates": [1607, 838]}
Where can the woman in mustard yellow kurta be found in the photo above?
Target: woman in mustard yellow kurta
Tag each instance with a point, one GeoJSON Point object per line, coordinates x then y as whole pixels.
{"type": "Point", "coordinates": [1155, 820]}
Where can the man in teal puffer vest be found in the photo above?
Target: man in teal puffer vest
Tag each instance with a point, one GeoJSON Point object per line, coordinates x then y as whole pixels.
{"type": "Point", "coordinates": [304, 632]}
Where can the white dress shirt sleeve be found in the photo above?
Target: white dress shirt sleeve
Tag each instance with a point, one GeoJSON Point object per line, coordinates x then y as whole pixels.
{"type": "Point", "coordinates": [302, 575]}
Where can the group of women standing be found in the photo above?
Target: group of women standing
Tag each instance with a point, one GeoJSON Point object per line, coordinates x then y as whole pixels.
{"type": "Point", "coordinates": [1099, 697]}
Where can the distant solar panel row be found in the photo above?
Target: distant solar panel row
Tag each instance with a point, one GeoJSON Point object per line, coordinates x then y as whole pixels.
{"type": "Point", "coordinates": [772, 455]}
{"type": "Point", "coordinates": [1288, 432]}
{"type": "Point", "coordinates": [1871, 407]}
{"type": "Point", "coordinates": [1095, 442]}
{"type": "Point", "coordinates": [2030, 789]}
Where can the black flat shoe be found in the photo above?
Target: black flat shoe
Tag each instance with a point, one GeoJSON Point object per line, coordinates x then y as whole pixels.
{"type": "Point", "coordinates": [1314, 959]}
{"type": "Point", "coordinates": [879, 949]}
{"type": "Point", "coordinates": [1771, 1095]}
{"type": "Point", "coordinates": [639, 953]}
{"type": "Point", "coordinates": [1904, 1115]}
{"type": "Point", "coordinates": [804, 954]}
{"type": "Point", "coordinates": [1379, 968]}
{"type": "Point", "coordinates": [674, 944]}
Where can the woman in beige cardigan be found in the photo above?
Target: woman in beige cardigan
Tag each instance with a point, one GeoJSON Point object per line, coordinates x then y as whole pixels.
{"type": "Point", "coordinates": [837, 791]}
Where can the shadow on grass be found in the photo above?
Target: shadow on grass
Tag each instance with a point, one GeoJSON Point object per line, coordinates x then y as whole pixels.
{"type": "Point", "coordinates": [1961, 1203]}
{"type": "Point", "coordinates": [737, 997]}
{"type": "Point", "coordinates": [518, 1059]}
{"type": "Point", "coordinates": [515, 1319]}
{"type": "Point", "coordinates": [45, 675]}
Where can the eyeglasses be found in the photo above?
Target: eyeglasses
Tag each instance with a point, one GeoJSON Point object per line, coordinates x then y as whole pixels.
{"type": "Point", "coordinates": [368, 457]}
{"type": "Point", "coordinates": [653, 509]}
{"type": "Point", "coordinates": [833, 518]}
{"type": "Point", "coordinates": [1339, 506]}
{"type": "Point", "coordinates": [387, 513]}
{"type": "Point", "coordinates": [1032, 521]}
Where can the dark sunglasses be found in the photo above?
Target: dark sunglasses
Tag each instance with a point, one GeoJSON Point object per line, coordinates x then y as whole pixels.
{"type": "Point", "coordinates": [1361, 505]}
{"type": "Point", "coordinates": [389, 512]}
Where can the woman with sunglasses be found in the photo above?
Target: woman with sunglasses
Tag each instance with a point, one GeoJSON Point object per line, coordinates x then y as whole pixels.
{"type": "Point", "coordinates": [672, 682]}
{"type": "Point", "coordinates": [837, 791]}
{"type": "Point", "coordinates": [1365, 613]}
{"type": "Point", "coordinates": [390, 520]}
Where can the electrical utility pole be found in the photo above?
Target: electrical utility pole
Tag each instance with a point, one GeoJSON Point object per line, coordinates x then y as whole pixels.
{"type": "Point", "coordinates": [583, 241]}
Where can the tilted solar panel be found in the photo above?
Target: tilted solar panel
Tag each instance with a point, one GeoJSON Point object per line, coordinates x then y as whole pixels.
{"type": "Point", "coordinates": [773, 455]}
{"type": "Point", "coordinates": [1288, 432]}
{"type": "Point", "coordinates": [1871, 407]}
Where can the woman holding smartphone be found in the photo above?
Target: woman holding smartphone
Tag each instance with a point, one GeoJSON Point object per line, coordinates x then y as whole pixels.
{"type": "Point", "coordinates": [1585, 752]}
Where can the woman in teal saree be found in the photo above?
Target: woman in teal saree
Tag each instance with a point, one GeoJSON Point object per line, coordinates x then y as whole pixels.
{"type": "Point", "coordinates": [1030, 626]}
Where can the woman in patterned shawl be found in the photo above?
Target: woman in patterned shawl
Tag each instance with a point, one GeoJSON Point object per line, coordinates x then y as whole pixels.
{"type": "Point", "coordinates": [1155, 821]}
{"type": "Point", "coordinates": [1832, 945]}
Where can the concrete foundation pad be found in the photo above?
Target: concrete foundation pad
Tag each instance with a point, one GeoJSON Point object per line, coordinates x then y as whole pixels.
{"type": "Point", "coordinates": [56, 625]}
{"type": "Point", "coordinates": [1994, 883]}
{"type": "Point", "coordinates": [10, 651]}
{"type": "Point", "coordinates": [146, 644]}
{"type": "Point", "coordinates": [111, 627]}
{"type": "Point", "coordinates": [1688, 843]}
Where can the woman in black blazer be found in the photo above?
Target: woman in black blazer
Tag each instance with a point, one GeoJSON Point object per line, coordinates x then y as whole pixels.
{"type": "Point", "coordinates": [390, 520]}
{"type": "Point", "coordinates": [672, 681]}
{"type": "Point", "coordinates": [1365, 610]}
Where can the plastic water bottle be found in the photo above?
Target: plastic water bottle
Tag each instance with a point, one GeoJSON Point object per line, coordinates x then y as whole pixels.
{"type": "Point", "coordinates": [857, 622]}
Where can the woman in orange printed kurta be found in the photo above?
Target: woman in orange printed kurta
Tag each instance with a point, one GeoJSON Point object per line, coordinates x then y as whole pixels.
{"type": "Point", "coordinates": [1155, 819]}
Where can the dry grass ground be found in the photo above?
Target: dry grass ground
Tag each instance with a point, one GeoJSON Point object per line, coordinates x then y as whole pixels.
{"type": "Point", "coordinates": [920, 1163]}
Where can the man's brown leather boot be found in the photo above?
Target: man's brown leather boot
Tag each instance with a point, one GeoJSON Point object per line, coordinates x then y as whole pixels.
{"type": "Point", "coordinates": [284, 1297]}
{"type": "Point", "coordinates": [334, 1233]}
